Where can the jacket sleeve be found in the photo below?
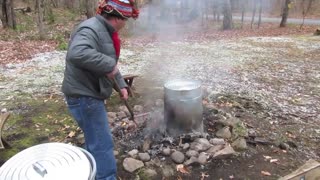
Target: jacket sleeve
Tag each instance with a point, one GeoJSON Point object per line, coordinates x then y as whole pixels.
{"type": "Point", "coordinates": [120, 80]}
{"type": "Point", "coordinates": [83, 53]}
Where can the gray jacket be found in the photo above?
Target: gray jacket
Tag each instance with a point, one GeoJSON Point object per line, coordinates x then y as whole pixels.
{"type": "Point", "coordinates": [91, 55]}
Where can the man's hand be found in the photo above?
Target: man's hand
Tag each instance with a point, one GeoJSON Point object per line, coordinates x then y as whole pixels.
{"type": "Point", "coordinates": [111, 74]}
{"type": "Point", "coordinates": [124, 94]}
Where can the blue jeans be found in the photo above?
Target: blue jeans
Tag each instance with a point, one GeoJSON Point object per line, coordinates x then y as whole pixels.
{"type": "Point", "coordinates": [91, 116]}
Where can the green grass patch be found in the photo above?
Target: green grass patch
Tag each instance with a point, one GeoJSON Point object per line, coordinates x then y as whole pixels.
{"type": "Point", "coordinates": [35, 121]}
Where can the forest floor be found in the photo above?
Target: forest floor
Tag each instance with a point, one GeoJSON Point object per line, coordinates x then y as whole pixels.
{"type": "Point", "coordinates": [266, 77]}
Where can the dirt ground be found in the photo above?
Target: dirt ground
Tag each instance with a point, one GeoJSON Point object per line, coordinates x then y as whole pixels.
{"type": "Point", "coordinates": [269, 79]}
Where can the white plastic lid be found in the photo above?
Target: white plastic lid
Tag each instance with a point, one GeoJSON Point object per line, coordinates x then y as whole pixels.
{"type": "Point", "coordinates": [50, 161]}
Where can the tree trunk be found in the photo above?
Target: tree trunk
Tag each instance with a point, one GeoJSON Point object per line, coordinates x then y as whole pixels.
{"type": "Point", "coordinates": [305, 11]}
{"type": "Point", "coordinates": [285, 13]}
{"type": "Point", "coordinates": [243, 9]}
{"type": "Point", "coordinates": [227, 15]}
{"type": "Point", "coordinates": [253, 12]}
{"type": "Point", "coordinates": [90, 8]}
{"type": "Point", "coordinates": [54, 3]}
{"type": "Point", "coordinates": [40, 16]}
{"type": "Point", "coordinates": [8, 17]}
{"type": "Point", "coordinates": [260, 12]}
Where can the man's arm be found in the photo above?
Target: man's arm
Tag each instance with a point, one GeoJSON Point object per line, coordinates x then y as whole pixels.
{"type": "Point", "coordinates": [82, 53]}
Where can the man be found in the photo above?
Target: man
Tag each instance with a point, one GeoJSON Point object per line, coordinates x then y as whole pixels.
{"type": "Point", "coordinates": [91, 69]}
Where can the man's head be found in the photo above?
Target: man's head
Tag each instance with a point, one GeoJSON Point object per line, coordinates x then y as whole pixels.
{"type": "Point", "coordinates": [121, 8]}
{"type": "Point", "coordinates": [118, 11]}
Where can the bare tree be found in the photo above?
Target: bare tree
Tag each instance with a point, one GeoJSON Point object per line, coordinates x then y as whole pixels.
{"type": "Point", "coordinates": [285, 13]}
{"type": "Point", "coordinates": [39, 9]}
{"type": "Point", "coordinates": [7, 16]}
{"type": "Point", "coordinates": [253, 12]}
{"type": "Point", "coordinates": [260, 12]}
{"type": "Point", "coordinates": [227, 15]}
{"type": "Point", "coordinates": [204, 5]}
{"type": "Point", "coordinates": [217, 6]}
{"type": "Point", "coordinates": [243, 11]}
{"type": "Point", "coordinates": [305, 10]}
{"type": "Point", "coordinates": [90, 8]}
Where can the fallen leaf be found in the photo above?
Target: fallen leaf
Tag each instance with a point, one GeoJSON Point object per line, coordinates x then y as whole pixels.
{"type": "Point", "coordinates": [71, 134]}
{"type": "Point", "coordinates": [182, 169]}
{"type": "Point", "coordinates": [267, 157]}
{"type": "Point", "coordinates": [274, 160]}
{"type": "Point", "coordinates": [204, 175]}
{"type": "Point", "coordinates": [265, 173]}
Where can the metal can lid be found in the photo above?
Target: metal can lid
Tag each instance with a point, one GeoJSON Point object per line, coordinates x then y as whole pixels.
{"type": "Point", "coordinates": [49, 161]}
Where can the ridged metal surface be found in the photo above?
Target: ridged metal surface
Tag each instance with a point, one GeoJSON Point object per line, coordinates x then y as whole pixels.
{"type": "Point", "coordinates": [48, 161]}
{"type": "Point", "coordinates": [183, 106]}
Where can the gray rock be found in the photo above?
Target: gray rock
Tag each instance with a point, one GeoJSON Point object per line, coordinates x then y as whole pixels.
{"type": "Point", "coordinates": [203, 157]}
{"type": "Point", "coordinates": [252, 132]}
{"type": "Point", "coordinates": [124, 109]}
{"type": "Point", "coordinates": [186, 146]}
{"type": "Point", "coordinates": [133, 153]}
{"type": "Point", "coordinates": [121, 115]}
{"type": "Point", "coordinates": [150, 173]}
{"type": "Point", "coordinates": [203, 141]}
{"type": "Point", "coordinates": [191, 161]}
{"type": "Point", "coordinates": [192, 153]}
{"type": "Point", "coordinates": [138, 108]}
{"type": "Point", "coordinates": [240, 144]}
{"type": "Point", "coordinates": [217, 141]}
{"type": "Point", "coordinates": [224, 133]}
{"type": "Point", "coordinates": [177, 157]}
{"type": "Point", "coordinates": [146, 144]}
{"type": "Point", "coordinates": [199, 146]}
{"type": "Point", "coordinates": [144, 157]}
{"type": "Point", "coordinates": [166, 151]}
{"type": "Point", "coordinates": [167, 171]}
{"type": "Point", "coordinates": [231, 121]}
{"type": "Point", "coordinates": [130, 164]}
{"type": "Point", "coordinates": [112, 115]}
{"type": "Point", "coordinates": [116, 153]}
{"type": "Point", "coordinates": [214, 149]}
{"type": "Point", "coordinates": [154, 162]}
{"type": "Point", "coordinates": [226, 152]}
{"type": "Point", "coordinates": [284, 146]}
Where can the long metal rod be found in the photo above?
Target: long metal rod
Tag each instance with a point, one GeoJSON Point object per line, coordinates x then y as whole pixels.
{"type": "Point", "coordinates": [117, 87]}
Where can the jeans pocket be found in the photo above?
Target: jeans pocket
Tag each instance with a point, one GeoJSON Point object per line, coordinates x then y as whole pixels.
{"type": "Point", "coordinates": [73, 102]}
{"type": "Point", "coordinates": [92, 102]}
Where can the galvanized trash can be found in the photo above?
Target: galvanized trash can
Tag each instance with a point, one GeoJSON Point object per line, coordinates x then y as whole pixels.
{"type": "Point", "coordinates": [50, 161]}
{"type": "Point", "coordinates": [183, 111]}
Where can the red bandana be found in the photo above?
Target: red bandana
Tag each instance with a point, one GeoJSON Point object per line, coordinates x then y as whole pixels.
{"type": "Point", "coordinates": [116, 43]}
